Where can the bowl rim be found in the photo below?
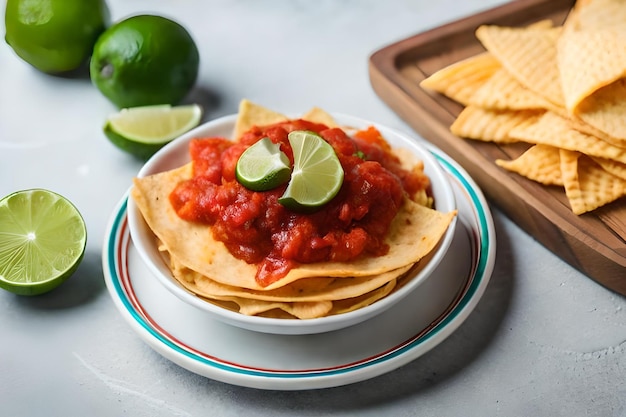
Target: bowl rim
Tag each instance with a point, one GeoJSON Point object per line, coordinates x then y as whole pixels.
{"type": "Point", "coordinates": [178, 150]}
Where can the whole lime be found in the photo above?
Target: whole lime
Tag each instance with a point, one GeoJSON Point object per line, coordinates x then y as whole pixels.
{"type": "Point", "coordinates": [145, 60]}
{"type": "Point", "coordinates": [55, 36]}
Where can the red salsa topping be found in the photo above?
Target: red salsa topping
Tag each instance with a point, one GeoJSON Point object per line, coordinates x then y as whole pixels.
{"type": "Point", "coordinates": [256, 228]}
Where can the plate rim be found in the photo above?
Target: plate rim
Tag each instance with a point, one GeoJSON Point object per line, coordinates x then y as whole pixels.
{"type": "Point", "coordinates": [412, 348]}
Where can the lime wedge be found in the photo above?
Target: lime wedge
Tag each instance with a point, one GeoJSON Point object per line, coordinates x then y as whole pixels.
{"type": "Point", "coordinates": [317, 173]}
{"type": "Point", "coordinates": [142, 131]}
{"type": "Point", "coordinates": [42, 241]}
{"type": "Point", "coordinates": [263, 166]}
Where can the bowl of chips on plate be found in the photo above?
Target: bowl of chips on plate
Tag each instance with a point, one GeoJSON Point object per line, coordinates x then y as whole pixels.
{"type": "Point", "coordinates": [344, 219]}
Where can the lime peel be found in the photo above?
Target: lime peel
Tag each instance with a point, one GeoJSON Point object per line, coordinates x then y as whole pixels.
{"type": "Point", "coordinates": [144, 60]}
{"type": "Point", "coordinates": [144, 130]}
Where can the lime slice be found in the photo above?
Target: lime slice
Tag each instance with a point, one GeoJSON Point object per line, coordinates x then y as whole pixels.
{"type": "Point", "coordinates": [42, 241]}
{"type": "Point", "coordinates": [317, 173]}
{"type": "Point", "coordinates": [263, 166]}
{"type": "Point", "coordinates": [142, 131]}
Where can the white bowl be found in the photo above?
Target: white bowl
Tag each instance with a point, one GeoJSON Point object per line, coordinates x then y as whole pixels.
{"type": "Point", "coordinates": [175, 154]}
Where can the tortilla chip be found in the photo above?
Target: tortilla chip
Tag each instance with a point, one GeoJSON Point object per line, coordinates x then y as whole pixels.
{"type": "Point", "coordinates": [529, 55]}
{"type": "Point", "coordinates": [503, 92]}
{"type": "Point", "coordinates": [551, 129]}
{"type": "Point", "coordinates": [589, 61]}
{"type": "Point", "coordinates": [592, 64]}
{"type": "Point", "coordinates": [302, 290]}
{"type": "Point", "coordinates": [540, 163]}
{"type": "Point", "coordinates": [587, 185]}
{"type": "Point", "coordinates": [576, 123]}
{"type": "Point", "coordinates": [251, 114]}
{"type": "Point", "coordinates": [414, 232]}
{"type": "Point", "coordinates": [616, 168]}
{"type": "Point", "coordinates": [312, 310]}
{"type": "Point", "coordinates": [306, 307]}
{"type": "Point", "coordinates": [307, 310]}
{"type": "Point", "coordinates": [317, 115]}
{"type": "Point", "coordinates": [596, 15]}
{"type": "Point", "coordinates": [351, 304]}
{"type": "Point", "coordinates": [605, 109]}
{"type": "Point", "coordinates": [491, 125]}
{"type": "Point", "coordinates": [460, 80]}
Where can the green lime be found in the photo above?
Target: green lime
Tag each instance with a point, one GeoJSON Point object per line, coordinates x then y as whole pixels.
{"type": "Point", "coordinates": [317, 173]}
{"type": "Point", "coordinates": [55, 36]}
{"type": "Point", "coordinates": [42, 241]}
{"type": "Point", "coordinates": [263, 166]}
{"type": "Point", "coordinates": [142, 131]}
{"type": "Point", "coordinates": [145, 60]}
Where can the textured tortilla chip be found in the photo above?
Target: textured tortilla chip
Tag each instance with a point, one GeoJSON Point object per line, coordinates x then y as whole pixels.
{"type": "Point", "coordinates": [588, 61]}
{"type": "Point", "coordinates": [503, 92]}
{"type": "Point", "coordinates": [587, 185]}
{"type": "Point", "coordinates": [540, 163]}
{"type": "Point", "coordinates": [491, 125]}
{"type": "Point", "coordinates": [596, 15]}
{"type": "Point", "coordinates": [616, 168]}
{"type": "Point", "coordinates": [592, 64]}
{"type": "Point", "coordinates": [462, 79]}
{"type": "Point", "coordinates": [576, 123]}
{"type": "Point", "coordinates": [251, 114]}
{"type": "Point", "coordinates": [414, 232]}
{"type": "Point", "coordinates": [605, 109]}
{"type": "Point", "coordinates": [529, 55]}
{"type": "Point", "coordinates": [551, 129]}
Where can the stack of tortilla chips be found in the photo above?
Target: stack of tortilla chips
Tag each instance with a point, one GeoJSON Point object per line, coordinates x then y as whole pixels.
{"type": "Point", "coordinates": [561, 89]}
{"type": "Point", "coordinates": [206, 268]}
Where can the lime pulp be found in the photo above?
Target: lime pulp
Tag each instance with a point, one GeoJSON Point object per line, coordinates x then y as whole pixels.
{"type": "Point", "coordinates": [42, 241]}
{"type": "Point", "coordinates": [263, 166]}
{"type": "Point", "coordinates": [317, 173]}
{"type": "Point", "coordinates": [142, 131]}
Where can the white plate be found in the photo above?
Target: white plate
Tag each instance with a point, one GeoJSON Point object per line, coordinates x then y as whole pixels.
{"type": "Point", "coordinates": [192, 339]}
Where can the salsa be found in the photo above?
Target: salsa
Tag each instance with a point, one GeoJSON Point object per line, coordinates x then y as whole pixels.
{"type": "Point", "coordinates": [256, 228]}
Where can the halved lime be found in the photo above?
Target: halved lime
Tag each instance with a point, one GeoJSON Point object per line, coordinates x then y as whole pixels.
{"type": "Point", "coordinates": [42, 241]}
{"type": "Point", "coordinates": [142, 131]}
{"type": "Point", "coordinates": [263, 166]}
{"type": "Point", "coordinates": [317, 173]}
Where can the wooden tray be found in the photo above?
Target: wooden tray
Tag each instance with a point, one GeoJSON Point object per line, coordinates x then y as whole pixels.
{"type": "Point", "coordinates": [592, 243]}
